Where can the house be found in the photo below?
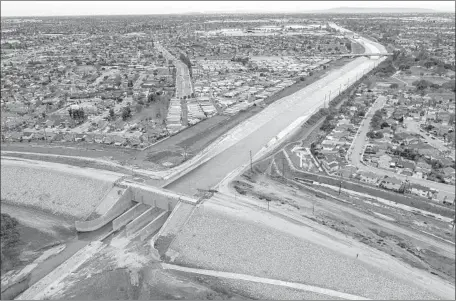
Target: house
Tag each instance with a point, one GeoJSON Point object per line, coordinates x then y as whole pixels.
{"type": "Point", "coordinates": [346, 172]}
{"type": "Point", "coordinates": [430, 152]}
{"type": "Point", "coordinates": [98, 138]}
{"type": "Point", "coordinates": [50, 136]}
{"type": "Point", "coordinates": [418, 174]}
{"type": "Point", "coordinates": [449, 175]}
{"type": "Point", "coordinates": [384, 161]}
{"type": "Point", "coordinates": [119, 140]}
{"type": "Point", "coordinates": [50, 123]}
{"type": "Point", "coordinates": [68, 137]}
{"type": "Point", "coordinates": [391, 183]}
{"type": "Point", "coordinates": [368, 177]}
{"type": "Point", "coordinates": [407, 165]}
{"type": "Point", "coordinates": [108, 140]}
{"type": "Point", "coordinates": [407, 173]}
{"type": "Point", "coordinates": [39, 136]}
{"type": "Point", "coordinates": [89, 137]}
{"type": "Point", "coordinates": [78, 137]}
{"type": "Point", "coordinates": [28, 134]}
{"type": "Point", "coordinates": [57, 137]}
{"type": "Point", "coordinates": [134, 141]}
{"type": "Point", "coordinates": [445, 198]}
{"type": "Point", "coordinates": [419, 190]}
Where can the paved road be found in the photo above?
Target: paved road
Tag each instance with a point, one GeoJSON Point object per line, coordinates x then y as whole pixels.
{"type": "Point", "coordinates": [355, 152]}
{"type": "Point", "coordinates": [355, 155]}
{"type": "Point", "coordinates": [183, 80]}
{"type": "Point", "coordinates": [263, 127]}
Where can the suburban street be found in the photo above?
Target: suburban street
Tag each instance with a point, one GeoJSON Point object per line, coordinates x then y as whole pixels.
{"type": "Point", "coordinates": [356, 152]}
{"type": "Point", "coordinates": [414, 126]}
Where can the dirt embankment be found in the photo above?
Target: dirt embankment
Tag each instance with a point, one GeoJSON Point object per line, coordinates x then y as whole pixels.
{"type": "Point", "coordinates": [59, 193]}
{"type": "Point", "coordinates": [419, 252]}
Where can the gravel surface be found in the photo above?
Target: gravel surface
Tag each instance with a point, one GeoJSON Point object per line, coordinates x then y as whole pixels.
{"type": "Point", "coordinates": [250, 248]}
{"type": "Point", "coordinates": [57, 192]}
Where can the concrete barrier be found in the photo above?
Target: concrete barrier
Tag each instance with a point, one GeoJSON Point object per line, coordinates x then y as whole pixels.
{"type": "Point", "coordinates": [158, 197]}
{"type": "Point", "coordinates": [123, 204]}
{"type": "Point", "coordinates": [128, 216]}
{"type": "Point", "coordinates": [142, 220]}
{"type": "Point", "coordinates": [154, 225]}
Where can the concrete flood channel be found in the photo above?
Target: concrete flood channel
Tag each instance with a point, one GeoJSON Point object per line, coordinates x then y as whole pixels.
{"type": "Point", "coordinates": [140, 212]}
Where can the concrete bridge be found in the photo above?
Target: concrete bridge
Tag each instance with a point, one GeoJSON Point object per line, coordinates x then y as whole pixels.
{"type": "Point", "coordinates": [364, 54]}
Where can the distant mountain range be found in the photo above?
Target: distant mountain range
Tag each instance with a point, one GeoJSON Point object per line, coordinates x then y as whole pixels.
{"type": "Point", "coordinates": [339, 10]}
{"type": "Point", "coordinates": [374, 10]}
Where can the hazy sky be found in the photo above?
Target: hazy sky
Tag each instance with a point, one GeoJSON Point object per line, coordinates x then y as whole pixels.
{"type": "Point", "coordinates": [59, 8]}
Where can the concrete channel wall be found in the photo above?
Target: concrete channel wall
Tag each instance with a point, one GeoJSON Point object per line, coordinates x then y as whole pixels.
{"type": "Point", "coordinates": [123, 204]}
{"type": "Point", "coordinates": [128, 216]}
{"type": "Point", "coordinates": [154, 225]}
{"type": "Point", "coordinates": [143, 219]}
{"type": "Point", "coordinates": [125, 209]}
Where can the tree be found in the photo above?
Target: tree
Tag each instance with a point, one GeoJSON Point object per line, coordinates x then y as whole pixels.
{"type": "Point", "coordinates": [450, 85]}
{"type": "Point", "coordinates": [451, 120]}
{"type": "Point", "coordinates": [384, 125]}
{"type": "Point", "coordinates": [10, 239]}
{"type": "Point", "coordinates": [111, 113]}
{"type": "Point", "coordinates": [394, 86]}
{"type": "Point", "coordinates": [374, 135]}
{"type": "Point", "coordinates": [440, 70]}
{"type": "Point", "coordinates": [428, 64]}
{"type": "Point", "coordinates": [126, 113]}
{"type": "Point", "coordinates": [421, 84]}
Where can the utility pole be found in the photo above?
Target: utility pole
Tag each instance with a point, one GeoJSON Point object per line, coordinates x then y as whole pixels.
{"type": "Point", "coordinates": [251, 166]}
{"type": "Point", "coordinates": [340, 184]}
{"type": "Point", "coordinates": [45, 137]}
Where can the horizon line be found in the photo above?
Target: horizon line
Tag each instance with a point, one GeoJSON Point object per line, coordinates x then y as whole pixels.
{"type": "Point", "coordinates": [431, 11]}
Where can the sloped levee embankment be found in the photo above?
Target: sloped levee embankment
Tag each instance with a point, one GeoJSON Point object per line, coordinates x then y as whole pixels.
{"type": "Point", "coordinates": [57, 192]}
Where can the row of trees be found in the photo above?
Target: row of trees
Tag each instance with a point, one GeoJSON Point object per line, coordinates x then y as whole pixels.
{"type": "Point", "coordinates": [405, 61]}
{"type": "Point", "coordinates": [423, 84]}
{"type": "Point", "coordinates": [377, 120]}
{"type": "Point", "coordinates": [77, 114]}
{"type": "Point", "coordinates": [385, 69]}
